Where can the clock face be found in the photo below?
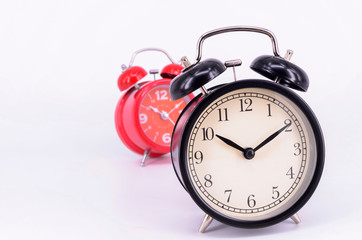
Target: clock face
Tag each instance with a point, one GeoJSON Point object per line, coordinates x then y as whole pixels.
{"type": "Point", "coordinates": [251, 154]}
{"type": "Point", "coordinates": [158, 114]}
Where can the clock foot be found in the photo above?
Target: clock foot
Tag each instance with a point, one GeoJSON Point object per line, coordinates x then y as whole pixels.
{"type": "Point", "coordinates": [205, 223]}
{"type": "Point", "coordinates": [145, 156]}
{"type": "Point", "coordinates": [296, 218]}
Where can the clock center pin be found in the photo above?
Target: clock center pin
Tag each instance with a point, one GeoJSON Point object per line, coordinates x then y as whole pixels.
{"type": "Point", "coordinates": [164, 115]}
{"type": "Point", "coordinates": [249, 153]}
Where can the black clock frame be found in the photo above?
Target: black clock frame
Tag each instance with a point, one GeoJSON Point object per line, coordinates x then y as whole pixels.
{"type": "Point", "coordinates": [190, 115]}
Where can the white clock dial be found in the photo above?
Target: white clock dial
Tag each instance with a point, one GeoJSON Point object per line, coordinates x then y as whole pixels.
{"type": "Point", "coordinates": [251, 154]}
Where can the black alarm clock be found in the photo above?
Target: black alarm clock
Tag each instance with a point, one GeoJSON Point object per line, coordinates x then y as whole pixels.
{"type": "Point", "coordinates": [250, 152]}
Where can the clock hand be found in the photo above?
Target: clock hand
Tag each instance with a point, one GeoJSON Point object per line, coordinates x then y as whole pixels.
{"type": "Point", "coordinates": [155, 109]}
{"type": "Point", "coordinates": [176, 106]}
{"type": "Point", "coordinates": [171, 120]}
{"type": "Point", "coordinates": [230, 143]}
{"type": "Point", "coordinates": [164, 115]}
{"type": "Point", "coordinates": [271, 137]}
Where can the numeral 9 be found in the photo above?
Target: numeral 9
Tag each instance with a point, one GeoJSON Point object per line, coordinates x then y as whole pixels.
{"type": "Point", "coordinates": [199, 156]}
{"type": "Point", "coordinates": [143, 118]}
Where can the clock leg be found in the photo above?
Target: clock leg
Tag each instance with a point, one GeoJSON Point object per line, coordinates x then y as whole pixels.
{"type": "Point", "coordinates": [296, 218]}
{"type": "Point", "coordinates": [205, 223]}
{"type": "Point", "coordinates": [145, 156]}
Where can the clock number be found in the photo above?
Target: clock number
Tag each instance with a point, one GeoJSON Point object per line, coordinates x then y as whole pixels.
{"type": "Point", "coordinates": [161, 95]}
{"type": "Point", "coordinates": [245, 105]}
{"type": "Point", "coordinates": [199, 156]}
{"type": "Point", "coordinates": [207, 134]}
{"type": "Point", "coordinates": [143, 118]}
{"type": "Point", "coordinates": [166, 138]}
{"type": "Point", "coordinates": [223, 117]}
{"type": "Point", "coordinates": [251, 201]}
{"type": "Point", "coordinates": [298, 151]}
{"type": "Point", "coordinates": [208, 182]}
{"type": "Point", "coordinates": [290, 173]}
{"type": "Point", "coordinates": [275, 192]}
{"type": "Point", "coordinates": [228, 192]}
{"type": "Point", "coordinates": [288, 122]}
{"type": "Point", "coordinates": [269, 110]}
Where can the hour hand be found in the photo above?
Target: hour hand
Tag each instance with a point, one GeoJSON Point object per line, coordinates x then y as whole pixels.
{"type": "Point", "coordinates": [155, 109]}
{"type": "Point", "coordinates": [230, 143]}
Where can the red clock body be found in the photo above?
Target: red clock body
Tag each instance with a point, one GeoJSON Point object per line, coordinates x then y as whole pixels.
{"type": "Point", "coordinates": [145, 117]}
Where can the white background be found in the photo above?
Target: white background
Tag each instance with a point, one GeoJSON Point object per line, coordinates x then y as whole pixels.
{"type": "Point", "coordinates": [64, 174]}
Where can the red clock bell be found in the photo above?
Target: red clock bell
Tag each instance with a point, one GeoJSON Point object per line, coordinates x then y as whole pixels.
{"type": "Point", "coordinates": [145, 115]}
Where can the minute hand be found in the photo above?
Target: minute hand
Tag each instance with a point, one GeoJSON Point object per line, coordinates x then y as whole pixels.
{"type": "Point", "coordinates": [271, 137]}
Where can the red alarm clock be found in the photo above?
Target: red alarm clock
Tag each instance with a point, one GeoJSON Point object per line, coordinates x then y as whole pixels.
{"type": "Point", "coordinates": [145, 115]}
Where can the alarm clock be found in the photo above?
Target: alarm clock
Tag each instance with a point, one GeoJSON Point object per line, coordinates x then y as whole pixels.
{"type": "Point", "coordinates": [250, 152]}
{"type": "Point", "coordinates": [145, 114]}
